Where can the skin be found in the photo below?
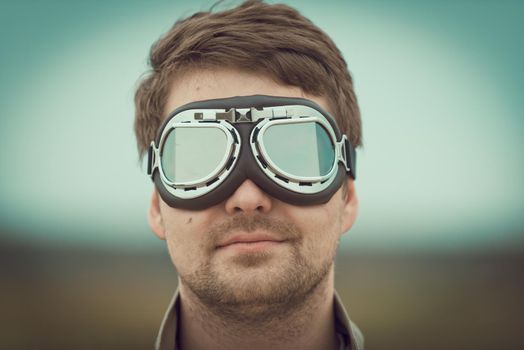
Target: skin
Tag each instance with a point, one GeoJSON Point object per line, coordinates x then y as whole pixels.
{"type": "Point", "coordinates": [278, 296]}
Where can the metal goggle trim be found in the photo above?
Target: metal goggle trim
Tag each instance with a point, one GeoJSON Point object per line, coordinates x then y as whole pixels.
{"type": "Point", "coordinates": [263, 118]}
{"type": "Point", "coordinates": [299, 184]}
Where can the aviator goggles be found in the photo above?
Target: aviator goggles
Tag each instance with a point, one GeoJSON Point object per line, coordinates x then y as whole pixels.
{"type": "Point", "coordinates": [289, 147]}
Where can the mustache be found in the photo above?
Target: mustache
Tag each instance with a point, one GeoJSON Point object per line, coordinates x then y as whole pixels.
{"type": "Point", "coordinates": [282, 229]}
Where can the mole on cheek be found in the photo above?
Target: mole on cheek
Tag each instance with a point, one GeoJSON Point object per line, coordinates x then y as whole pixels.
{"type": "Point", "coordinates": [189, 220]}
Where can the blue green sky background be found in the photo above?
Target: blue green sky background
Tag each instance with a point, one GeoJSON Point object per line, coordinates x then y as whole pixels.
{"type": "Point", "coordinates": [440, 85]}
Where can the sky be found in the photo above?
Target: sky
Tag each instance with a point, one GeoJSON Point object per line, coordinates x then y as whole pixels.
{"type": "Point", "coordinates": [439, 85]}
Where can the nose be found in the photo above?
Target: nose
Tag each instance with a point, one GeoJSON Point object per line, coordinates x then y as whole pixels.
{"type": "Point", "coordinates": [248, 199]}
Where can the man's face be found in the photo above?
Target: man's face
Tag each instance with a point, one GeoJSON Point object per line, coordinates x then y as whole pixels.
{"type": "Point", "coordinates": [252, 249]}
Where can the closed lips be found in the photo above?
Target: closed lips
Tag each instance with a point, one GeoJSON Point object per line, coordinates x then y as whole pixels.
{"type": "Point", "coordinates": [249, 238]}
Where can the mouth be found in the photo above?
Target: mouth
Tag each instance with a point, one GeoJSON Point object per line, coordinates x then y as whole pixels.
{"type": "Point", "coordinates": [250, 242]}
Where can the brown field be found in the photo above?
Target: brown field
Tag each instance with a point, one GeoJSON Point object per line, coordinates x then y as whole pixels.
{"type": "Point", "coordinates": [99, 299]}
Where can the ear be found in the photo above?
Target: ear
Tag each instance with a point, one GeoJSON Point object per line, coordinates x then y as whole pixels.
{"type": "Point", "coordinates": [154, 216]}
{"type": "Point", "coordinates": [350, 206]}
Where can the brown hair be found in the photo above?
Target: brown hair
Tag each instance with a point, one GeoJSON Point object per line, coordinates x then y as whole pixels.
{"type": "Point", "coordinates": [274, 38]}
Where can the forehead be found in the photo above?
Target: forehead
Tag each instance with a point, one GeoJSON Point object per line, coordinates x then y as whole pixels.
{"type": "Point", "coordinates": [205, 84]}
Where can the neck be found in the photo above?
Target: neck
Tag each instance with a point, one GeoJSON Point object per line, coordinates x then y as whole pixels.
{"type": "Point", "coordinates": [309, 325]}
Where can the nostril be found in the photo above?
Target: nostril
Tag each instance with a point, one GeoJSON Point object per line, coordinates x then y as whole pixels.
{"type": "Point", "coordinates": [259, 208]}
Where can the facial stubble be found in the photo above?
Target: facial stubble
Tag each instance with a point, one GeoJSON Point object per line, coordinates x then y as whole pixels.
{"type": "Point", "coordinates": [260, 288]}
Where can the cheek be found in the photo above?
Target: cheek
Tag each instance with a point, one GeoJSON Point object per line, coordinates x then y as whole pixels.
{"type": "Point", "coordinates": [179, 248]}
{"type": "Point", "coordinates": [324, 218]}
{"type": "Point", "coordinates": [321, 227]}
{"type": "Point", "coordinates": [185, 237]}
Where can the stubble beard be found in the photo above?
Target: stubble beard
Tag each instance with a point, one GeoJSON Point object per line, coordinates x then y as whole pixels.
{"type": "Point", "coordinates": [260, 289]}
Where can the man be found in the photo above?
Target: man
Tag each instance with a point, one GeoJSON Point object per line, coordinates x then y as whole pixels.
{"type": "Point", "coordinates": [250, 123]}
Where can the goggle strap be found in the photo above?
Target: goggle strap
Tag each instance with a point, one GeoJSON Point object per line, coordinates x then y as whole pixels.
{"type": "Point", "coordinates": [350, 158]}
{"type": "Point", "coordinates": [151, 159]}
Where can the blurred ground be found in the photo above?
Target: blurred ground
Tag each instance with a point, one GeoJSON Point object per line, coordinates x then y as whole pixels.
{"type": "Point", "coordinates": [73, 298]}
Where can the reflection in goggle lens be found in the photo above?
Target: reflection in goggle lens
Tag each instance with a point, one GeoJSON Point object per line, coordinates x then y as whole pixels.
{"type": "Point", "coordinates": [300, 149]}
{"type": "Point", "coordinates": [190, 154]}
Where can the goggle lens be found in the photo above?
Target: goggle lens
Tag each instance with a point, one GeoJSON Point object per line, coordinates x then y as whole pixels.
{"type": "Point", "coordinates": [300, 149]}
{"type": "Point", "coordinates": [193, 154]}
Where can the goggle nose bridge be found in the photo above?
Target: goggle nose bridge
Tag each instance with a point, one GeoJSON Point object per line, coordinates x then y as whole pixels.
{"type": "Point", "coordinates": [243, 115]}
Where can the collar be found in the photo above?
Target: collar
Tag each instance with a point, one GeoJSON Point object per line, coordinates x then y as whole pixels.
{"type": "Point", "coordinates": [345, 328]}
{"type": "Point", "coordinates": [352, 335]}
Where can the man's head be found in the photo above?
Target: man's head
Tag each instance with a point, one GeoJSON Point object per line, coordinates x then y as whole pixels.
{"type": "Point", "coordinates": [250, 250]}
{"type": "Point", "coordinates": [274, 41]}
